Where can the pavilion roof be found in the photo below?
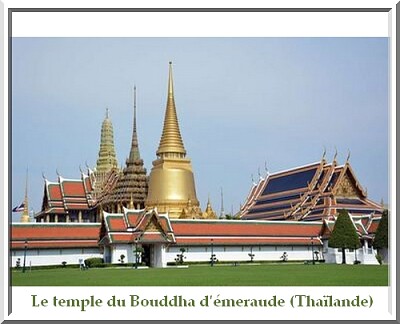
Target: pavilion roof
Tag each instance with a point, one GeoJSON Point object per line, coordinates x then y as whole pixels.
{"type": "Point", "coordinates": [68, 194]}
{"type": "Point", "coordinates": [311, 192]}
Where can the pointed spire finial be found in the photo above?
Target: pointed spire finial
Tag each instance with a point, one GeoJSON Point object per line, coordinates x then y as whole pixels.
{"type": "Point", "coordinates": [134, 154]}
{"type": "Point", "coordinates": [25, 213]}
{"type": "Point", "coordinates": [222, 204]}
{"type": "Point", "coordinates": [107, 113]}
{"type": "Point", "coordinates": [324, 153]}
{"type": "Point", "coordinates": [171, 140]}
{"type": "Point", "coordinates": [170, 81]}
{"type": "Point", "coordinates": [348, 156]}
{"type": "Point", "coordinates": [265, 167]}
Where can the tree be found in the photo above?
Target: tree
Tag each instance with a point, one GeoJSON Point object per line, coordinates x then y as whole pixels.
{"type": "Point", "coordinates": [344, 234]}
{"type": "Point", "coordinates": [381, 235]}
{"type": "Point", "coordinates": [180, 257]}
{"type": "Point", "coordinates": [121, 258]}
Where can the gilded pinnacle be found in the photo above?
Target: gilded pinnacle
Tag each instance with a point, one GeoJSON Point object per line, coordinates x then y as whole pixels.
{"type": "Point", "coordinates": [171, 143]}
{"type": "Point", "coordinates": [25, 213]}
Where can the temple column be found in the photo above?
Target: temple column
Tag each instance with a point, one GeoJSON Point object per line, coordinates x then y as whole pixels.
{"type": "Point", "coordinates": [56, 218]}
{"type": "Point", "coordinates": [47, 218]}
{"type": "Point", "coordinates": [80, 216]}
{"type": "Point", "coordinates": [67, 219]}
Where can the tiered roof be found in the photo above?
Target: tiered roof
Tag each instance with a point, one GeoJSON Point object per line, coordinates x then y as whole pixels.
{"type": "Point", "coordinates": [54, 235]}
{"type": "Point", "coordinates": [141, 225]}
{"type": "Point", "coordinates": [149, 226]}
{"type": "Point", "coordinates": [68, 194]}
{"type": "Point", "coordinates": [311, 192]}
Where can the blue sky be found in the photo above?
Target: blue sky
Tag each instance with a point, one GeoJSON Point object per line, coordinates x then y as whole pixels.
{"type": "Point", "coordinates": [241, 102]}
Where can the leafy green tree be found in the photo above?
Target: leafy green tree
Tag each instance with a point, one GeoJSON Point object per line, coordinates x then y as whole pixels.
{"type": "Point", "coordinates": [381, 236]}
{"type": "Point", "coordinates": [344, 234]}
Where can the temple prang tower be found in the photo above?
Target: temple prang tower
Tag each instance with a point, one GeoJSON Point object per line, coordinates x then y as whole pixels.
{"type": "Point", "coordinates": [107, 160]}
{"type": "Point", "coordinates": [171, 183]}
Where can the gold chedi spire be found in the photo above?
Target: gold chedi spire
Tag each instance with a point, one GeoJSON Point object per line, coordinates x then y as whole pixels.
{"type": "Point", "coordinates": [25, 213]}
{"type": "Point", "coordinates": [171, 180]}
{"type": "Point", "coordinates": [171, 143]}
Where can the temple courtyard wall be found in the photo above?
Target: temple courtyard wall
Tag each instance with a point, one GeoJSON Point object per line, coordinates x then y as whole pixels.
{"type": "Point", "coordinates": [40, 257]}
{"type": "Point", "coordinates": [162, 255]}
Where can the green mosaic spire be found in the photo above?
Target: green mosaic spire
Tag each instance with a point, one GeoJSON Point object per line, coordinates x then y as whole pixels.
{"type": "Point", "coordinates": [107, 157]}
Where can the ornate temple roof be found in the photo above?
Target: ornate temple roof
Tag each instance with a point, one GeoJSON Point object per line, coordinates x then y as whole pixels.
{"type": "Point", "coordinates": [54, 235]}
{"type": "Point", "coordinates": [68, 194]}
{"type": "Point", "coordinates": [311, 192]}
{"type": "Point", "coordinates": [141, 225]}
{"type": "Point", "coordinates": [131, 186]}
{"type": "Point", "coordinates": [149, 226]}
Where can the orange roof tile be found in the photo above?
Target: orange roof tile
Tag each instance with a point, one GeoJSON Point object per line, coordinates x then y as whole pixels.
{"type": "Point", "coordinates": [54, 191]}
{"type": "Point", "coordinates": [246, 228]}
{"type": "Point", "coordinates": [247, 241]}
{"type": "Point", "coordinates": [116, 223]}
{"type": "Point", "coordinates": [43, 231]}
{"type": "Point", "coordinates": [73, 188]}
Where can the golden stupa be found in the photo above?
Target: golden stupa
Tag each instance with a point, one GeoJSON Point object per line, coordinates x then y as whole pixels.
{"type": "Point", "coordinates": [171, 181]}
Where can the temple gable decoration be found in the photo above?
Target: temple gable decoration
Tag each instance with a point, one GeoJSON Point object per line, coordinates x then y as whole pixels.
{"type": "Point", "coordinates": [138, 226]}
{"type": "Point", "coordinates": [347, 185]}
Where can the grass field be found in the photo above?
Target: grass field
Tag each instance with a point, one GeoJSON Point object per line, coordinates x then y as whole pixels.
{"type": "Point", "coordinates": [220, 275]}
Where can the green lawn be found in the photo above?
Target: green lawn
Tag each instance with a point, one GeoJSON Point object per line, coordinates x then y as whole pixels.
{"type": "Point", "coordinates": [220, 275]}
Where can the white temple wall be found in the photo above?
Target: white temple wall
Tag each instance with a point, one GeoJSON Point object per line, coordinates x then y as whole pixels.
{"type": "Point", "coordinates": [159, 256]}
{"type": "Point", "coordinates": [240, 253]}
{"type": "Point", "coordinates": [364, 255]}
{"type": "Point", "coordinates": [122, 249]}
{"type": "Point", "coordinates": [38, 257]}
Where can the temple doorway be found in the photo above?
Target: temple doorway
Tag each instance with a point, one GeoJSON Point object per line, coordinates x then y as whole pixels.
{"type": "Point", "coordinates": [147, 255]}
